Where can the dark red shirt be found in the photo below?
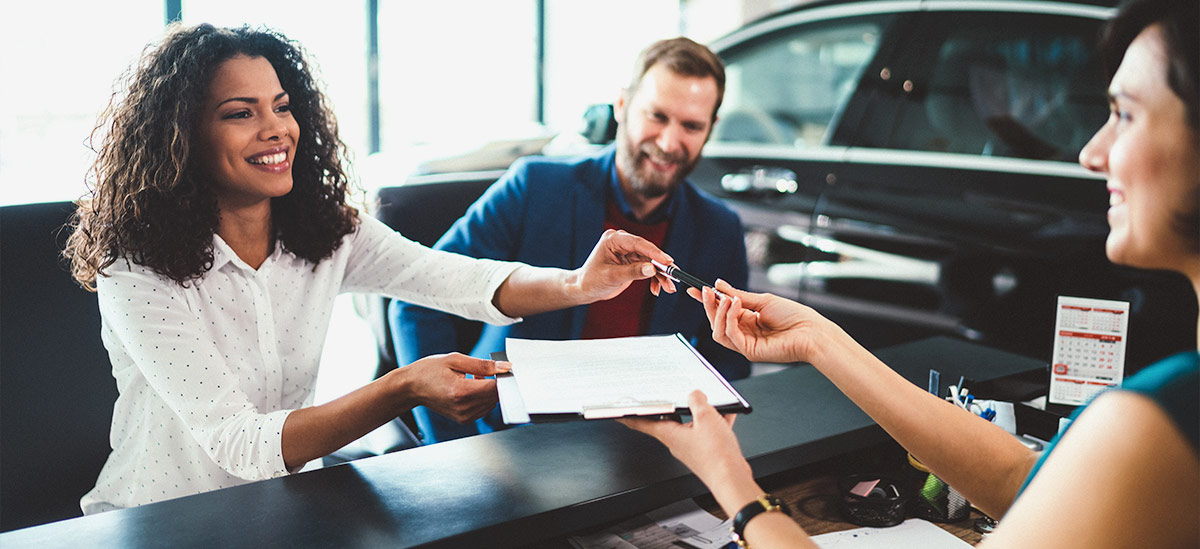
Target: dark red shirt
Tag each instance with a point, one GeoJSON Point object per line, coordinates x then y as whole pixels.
{"type": "Point", "coordinates": [628, 314]}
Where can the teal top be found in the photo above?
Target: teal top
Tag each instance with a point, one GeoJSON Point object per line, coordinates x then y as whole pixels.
{"type": "Point", "coordinates": [1173, 383]}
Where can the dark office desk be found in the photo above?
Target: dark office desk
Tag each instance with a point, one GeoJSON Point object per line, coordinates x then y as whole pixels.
{"type": "Point", "coordinates": [517, 486]}
{"type": "Point", "coordinates": [811, 491]}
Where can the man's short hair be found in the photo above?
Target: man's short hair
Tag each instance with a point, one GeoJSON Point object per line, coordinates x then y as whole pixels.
{"type": "Point", "coordinates": [684, 57]}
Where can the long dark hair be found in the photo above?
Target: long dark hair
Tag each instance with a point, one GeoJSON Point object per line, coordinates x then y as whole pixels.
{"type": "Point", "coordinates": [1180, 24]}
{"type": "Point", "coordinates": [150, 202]}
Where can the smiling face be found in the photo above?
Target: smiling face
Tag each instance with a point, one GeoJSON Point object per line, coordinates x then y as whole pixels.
{"type": "Point", "coordinates": [662, 128]}
{"type": "Point", "coordinates": [246, 134]}
{"type": "Point", "coordinates": [1151, 157]}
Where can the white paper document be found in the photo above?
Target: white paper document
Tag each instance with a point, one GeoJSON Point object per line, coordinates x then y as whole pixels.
{"type": "Point", "coordinates": [512, 407]}
{"type": "Point", "coordinates": [910, 534]}
{"type": "Point", "coordinates": [685, 524]}
{"type": "Point", "coordinates": [599, 378]}
{"type": "Point", "coordinates": [681, 524]}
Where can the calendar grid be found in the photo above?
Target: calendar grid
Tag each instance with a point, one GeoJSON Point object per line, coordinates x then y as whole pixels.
{"type": "Point", "coordinates": [1089, 348]}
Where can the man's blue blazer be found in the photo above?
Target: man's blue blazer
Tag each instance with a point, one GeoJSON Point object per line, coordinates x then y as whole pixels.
{"type": "Point", "coordinates": [550, 212]}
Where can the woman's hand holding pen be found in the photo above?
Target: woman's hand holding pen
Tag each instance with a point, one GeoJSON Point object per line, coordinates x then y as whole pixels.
{"type": "Point", "coordinates": [618, 259]}
{"type": "Point", "coordinates": [763, 327]}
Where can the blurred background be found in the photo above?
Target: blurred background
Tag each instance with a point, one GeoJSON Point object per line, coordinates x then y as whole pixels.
{"type": "Point", "coordinates": [408, 80]}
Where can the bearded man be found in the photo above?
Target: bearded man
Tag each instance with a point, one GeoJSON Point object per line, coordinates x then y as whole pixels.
{"type": "Point", "coordinates": [550, 211]}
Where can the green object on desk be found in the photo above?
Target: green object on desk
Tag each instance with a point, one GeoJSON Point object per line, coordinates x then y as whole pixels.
{"type": "Point", "coordinates": [932, 492]}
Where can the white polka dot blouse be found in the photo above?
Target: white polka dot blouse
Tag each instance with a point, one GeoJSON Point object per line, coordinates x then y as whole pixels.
{"type": "Point", "coordinates": [208, 373]}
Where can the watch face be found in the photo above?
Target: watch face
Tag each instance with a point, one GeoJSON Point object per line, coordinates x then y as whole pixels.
{"type": "Point", "coordinates": [774, 503]}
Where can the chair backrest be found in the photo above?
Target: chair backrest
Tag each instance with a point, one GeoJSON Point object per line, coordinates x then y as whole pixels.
{"type": "Point", "coordinates": [422, 212]}
{"type": "Point", "coordinates": [56, 384]}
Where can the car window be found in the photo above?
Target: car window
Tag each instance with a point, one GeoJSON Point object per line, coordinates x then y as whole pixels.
{"type": "Point", "coordinates": [786, 88]}
{"type": "Point", "coordinates": [1015, 85]}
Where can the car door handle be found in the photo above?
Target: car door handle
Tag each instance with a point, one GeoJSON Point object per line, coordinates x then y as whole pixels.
{"type": "Point", "coordinates": [760, 179]}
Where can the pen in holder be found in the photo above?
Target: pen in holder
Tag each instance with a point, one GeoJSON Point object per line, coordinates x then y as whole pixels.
{"type": "Point", "coordinates": [936, 501]}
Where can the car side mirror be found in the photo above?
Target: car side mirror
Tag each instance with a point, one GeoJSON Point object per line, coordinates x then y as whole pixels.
{"type": "Point", "coordinates": [599, 124]}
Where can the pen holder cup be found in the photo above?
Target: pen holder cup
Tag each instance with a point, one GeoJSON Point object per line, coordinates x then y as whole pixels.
{"type": "Point", "coordinates": [935, 500]}
{"type": "Point", "coordinates": [872, 500]}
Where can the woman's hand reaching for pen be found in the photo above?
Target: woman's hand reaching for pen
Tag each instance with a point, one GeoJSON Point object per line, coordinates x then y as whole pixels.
{"type": "Point", "coordinates": [763, 327]}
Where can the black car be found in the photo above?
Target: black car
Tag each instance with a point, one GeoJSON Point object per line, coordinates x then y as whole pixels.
{"type": "Point", "coordinates": [908, 168]}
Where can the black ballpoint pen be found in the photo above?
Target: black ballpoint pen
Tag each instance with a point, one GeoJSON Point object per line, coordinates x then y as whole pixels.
{"type": "Point", "coordinates": [679, 275]}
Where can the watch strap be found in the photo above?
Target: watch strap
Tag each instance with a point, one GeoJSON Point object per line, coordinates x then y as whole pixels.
{"type": "Point", "coordinates": [763, 504]}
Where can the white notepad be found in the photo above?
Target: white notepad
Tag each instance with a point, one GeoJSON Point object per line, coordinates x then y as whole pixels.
{"type": "Point", "coordinates": [606, 378]}
{"type": "Point", "coordinates": [910, 534]}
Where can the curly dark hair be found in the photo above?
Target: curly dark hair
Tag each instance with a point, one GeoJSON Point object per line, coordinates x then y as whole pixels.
{"type": "Point", "coordinates": [150, 202]}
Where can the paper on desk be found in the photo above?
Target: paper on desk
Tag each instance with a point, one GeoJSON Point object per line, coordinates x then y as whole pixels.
{"type": "Point", "coordinates": [681, 524]}
{"type": "Point", "coordinates": [569, 376]}
{"type": "Point", "coordinates": [1006, 417]}
{"type": "Point", "coordinates": [512, 407]}
{"type": "Point", "coordinates": [910, 534]}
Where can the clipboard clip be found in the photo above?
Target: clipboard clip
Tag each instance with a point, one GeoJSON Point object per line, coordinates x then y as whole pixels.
{"type": "Point", "coordinates": [628, 407]}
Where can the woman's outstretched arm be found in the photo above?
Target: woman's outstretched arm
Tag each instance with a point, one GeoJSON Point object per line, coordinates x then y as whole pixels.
{"type": "Point", "coordinates": [618, 259]}
{"type": "Point", "coordinates": [977, 458]}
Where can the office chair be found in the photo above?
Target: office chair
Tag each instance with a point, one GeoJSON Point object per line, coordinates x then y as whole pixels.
{"type": "Point", "coordinates": [421, 211]}
{"type": "Point", "coordinates": [56, 385]}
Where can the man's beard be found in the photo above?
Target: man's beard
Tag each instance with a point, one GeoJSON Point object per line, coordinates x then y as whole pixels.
{"type": "Point", "coordinates": [643, 178]}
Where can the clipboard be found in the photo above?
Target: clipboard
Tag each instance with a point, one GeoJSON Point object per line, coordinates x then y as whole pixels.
{"type": "Point", "coordinates": [606, 379]}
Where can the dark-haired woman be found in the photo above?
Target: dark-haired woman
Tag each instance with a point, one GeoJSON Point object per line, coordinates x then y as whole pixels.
{"type": "Point", "coordinates": [1127, 472]}
{"type": "Point", "coordinates": [217, 236]}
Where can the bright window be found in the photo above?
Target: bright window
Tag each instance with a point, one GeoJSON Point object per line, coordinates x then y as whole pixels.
{"type": "Point", "coordinates": [59, 68]}
{"type": "Point", "coordinates": [456, 75]}
{"type": "Point", "coordinates": [452, 75]}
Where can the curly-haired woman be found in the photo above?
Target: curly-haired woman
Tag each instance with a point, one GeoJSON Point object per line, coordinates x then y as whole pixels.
{"type": "Point", "coordinates": [1127, 471]}
{"type": "Point", "coordinates": [217, 236]}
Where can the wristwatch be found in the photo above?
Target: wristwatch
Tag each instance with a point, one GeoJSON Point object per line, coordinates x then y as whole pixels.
{"type": "Point", "coordinates": [765, 503]}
